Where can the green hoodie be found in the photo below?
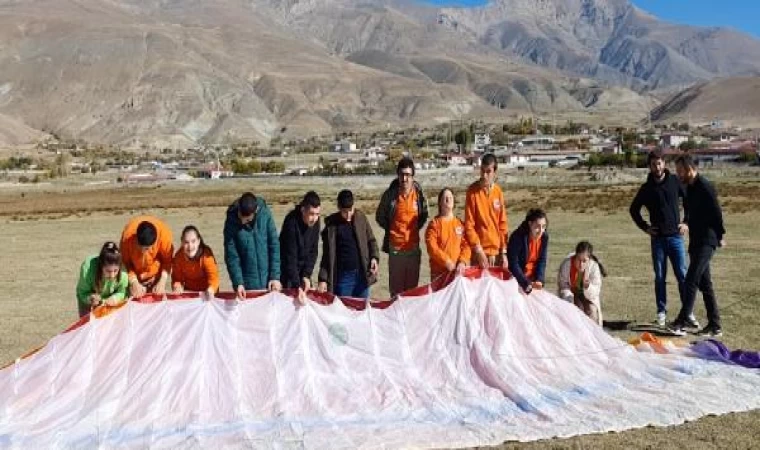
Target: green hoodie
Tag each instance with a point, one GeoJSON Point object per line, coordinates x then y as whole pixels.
{"type": "Point", "coordinates": [116, 289]}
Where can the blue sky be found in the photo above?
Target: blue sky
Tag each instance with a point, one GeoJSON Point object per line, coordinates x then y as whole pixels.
{"type": "Point", "coordinates": [743, 15]}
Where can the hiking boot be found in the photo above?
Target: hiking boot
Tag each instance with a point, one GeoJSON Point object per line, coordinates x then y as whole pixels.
{"type": "Point", "coordinates": [691, 322]}
{"type": "Point", "coordinates": [662, 319]}
{"type": "Point", "coordinates": [710, 331]}
{"type": "Point", "coordinates": [677, 328]}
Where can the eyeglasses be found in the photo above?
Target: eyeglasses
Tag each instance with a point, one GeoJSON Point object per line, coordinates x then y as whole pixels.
{"type": "Point", "coordinates": [405, 174]}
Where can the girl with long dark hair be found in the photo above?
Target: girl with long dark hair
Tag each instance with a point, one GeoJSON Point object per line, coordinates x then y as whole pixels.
{"type": "Point", "coordinates": [194, 267]}
{"type": "Point", "coordinates": [102, 280]}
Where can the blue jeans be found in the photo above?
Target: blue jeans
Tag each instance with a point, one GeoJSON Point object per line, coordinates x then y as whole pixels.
{"type": "Point", "coordinates": [351, 283]}
{"type": "Point", "coordinates": [664, 249]}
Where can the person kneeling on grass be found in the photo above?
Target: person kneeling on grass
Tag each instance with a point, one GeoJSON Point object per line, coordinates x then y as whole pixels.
{"type": "Point", "coordinates": [527, 250]}
{"type": "Point", "coordinates": [580, 281]}
{"type": "Point", "coordinates": [194, 267]}
{"type": "Point", "coordinates": [102, 280]}
{"type": "Point", "coordinates": [447, 245]}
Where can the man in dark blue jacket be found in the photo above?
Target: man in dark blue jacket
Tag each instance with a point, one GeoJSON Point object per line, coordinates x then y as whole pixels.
{"type": "Point", "coordinates": [251, 246]}
{"type": "Point", "coordinates": [705, 227]}
{"type": "Point", "coordinates": [661, 195]}
{"type": "Point", "coordinates": [527, 249]}
{"type": "Point", "coordinates": [299, 243]}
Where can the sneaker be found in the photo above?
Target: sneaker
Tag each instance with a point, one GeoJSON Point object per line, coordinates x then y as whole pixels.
{"type": "Point", "coordinates": [691, 322]}
{"type": "Point", "coordinates": [662, 319]}
{"type": "Point", "coordinates": [677, 328]}
{"type": "Point", "coordinates": [710, 331]}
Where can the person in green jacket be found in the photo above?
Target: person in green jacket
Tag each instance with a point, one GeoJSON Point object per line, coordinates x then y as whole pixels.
{"type": "Point", "coordinates": [251, 246]}
{"type": "Point", "coordinates": [102, 280]}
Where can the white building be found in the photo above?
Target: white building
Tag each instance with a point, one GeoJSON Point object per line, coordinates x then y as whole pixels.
{"type": "Point", "coordinates": [537, 143]}
{"type": "Point", "coordinates": [516, 159]}
{"type": "Point", "coordinates": [454, 159]}
{"type": "Point", "coordinates": [344, 147]}
{"type": "Point", "coordinates": [482, 142]}
{"type": "Point", "coordinates": [674, 140]}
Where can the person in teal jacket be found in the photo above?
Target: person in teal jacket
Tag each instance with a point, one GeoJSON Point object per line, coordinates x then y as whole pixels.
{"type": "Point", "coordinates": [102, 280]}
{"type": "Point", "coordinates": [251, 246]}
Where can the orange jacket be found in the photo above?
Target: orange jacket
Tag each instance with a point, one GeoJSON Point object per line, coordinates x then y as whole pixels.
{"type": "Point", "coordinates": [404, 235]}
{"type": "Point", "coordinates": [197, 274]}
{"type": "Point", "coordinates": [534, 254]}
{"type": "Point", "coordinates": [149, 265]}
{"type": "Point", "coordinates": [446, 242]}
{"type": "Point", "coordinates": [485, 218]}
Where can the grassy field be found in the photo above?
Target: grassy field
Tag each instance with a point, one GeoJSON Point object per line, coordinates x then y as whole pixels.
{"type": "Point", "coordinates": [48, 230]}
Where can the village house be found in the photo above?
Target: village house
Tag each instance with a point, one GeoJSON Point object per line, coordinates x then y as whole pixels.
{"type": "Point", "coordinates": [674, 140]}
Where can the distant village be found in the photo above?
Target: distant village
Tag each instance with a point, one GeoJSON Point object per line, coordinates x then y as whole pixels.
{"type": "Point", "coordinates": [517, 146]}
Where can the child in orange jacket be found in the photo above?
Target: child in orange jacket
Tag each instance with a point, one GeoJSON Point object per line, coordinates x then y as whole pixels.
{"type": "Point", "coordinates": [446, 242]}
{"type": "Point", "coordinates": [485, 217]}
{"type": "Point", "coordinates": [194, 267]}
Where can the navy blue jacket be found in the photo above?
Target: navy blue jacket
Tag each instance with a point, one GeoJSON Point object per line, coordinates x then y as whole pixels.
{"type": "Point", "coordinates": [661, 199]}
{"type": "Point", "coordinates": [517, 255]}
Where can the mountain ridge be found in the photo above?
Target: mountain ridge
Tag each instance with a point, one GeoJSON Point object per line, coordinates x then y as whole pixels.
{"type": "Point", "coordinates": [176, 73]}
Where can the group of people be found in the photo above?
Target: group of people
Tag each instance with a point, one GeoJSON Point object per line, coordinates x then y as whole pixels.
{"type": "Point", "coordinates": [257, 258]}
{"type": "Point", "coordinates": [142, 264]}
{"type": "Point", "coordinates": [662, 196]}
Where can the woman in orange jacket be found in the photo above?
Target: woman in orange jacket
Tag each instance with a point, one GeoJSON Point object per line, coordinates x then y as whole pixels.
{"type": "Point", "coordinates": [447, 245]}
{"type": "Point", "coordinates": [194, 266]}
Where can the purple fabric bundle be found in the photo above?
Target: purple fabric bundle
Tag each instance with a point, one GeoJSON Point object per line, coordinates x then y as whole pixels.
{"type": "Point", "coordinates": [717, 351]}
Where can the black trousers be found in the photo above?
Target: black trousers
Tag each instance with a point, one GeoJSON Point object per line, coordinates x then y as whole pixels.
{"type": "Point", "coordinates": [698, 278]}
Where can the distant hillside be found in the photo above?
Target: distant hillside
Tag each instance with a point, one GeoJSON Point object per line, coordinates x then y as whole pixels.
{"type": "Point", "coordinates": [733, 101]}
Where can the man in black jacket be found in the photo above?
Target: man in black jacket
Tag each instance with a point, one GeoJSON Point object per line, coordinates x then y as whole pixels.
{"type": "Point", "coordinates": [660, 195]}
{"type": "Point", "coordinates": [299, 243]}
{"type": "Point", "coordinates": [705, 227]}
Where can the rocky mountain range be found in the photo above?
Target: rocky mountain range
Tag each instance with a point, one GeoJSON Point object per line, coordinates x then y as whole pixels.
{"type": "Point", "coordinates": [178, 72]}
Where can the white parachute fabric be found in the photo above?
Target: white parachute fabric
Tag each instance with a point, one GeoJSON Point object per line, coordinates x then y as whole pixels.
{"type": "Point", "coordinates": [476, 363]}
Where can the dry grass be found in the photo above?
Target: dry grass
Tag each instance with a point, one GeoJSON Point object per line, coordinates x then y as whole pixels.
{"type": "Point", "coordinates": [43, 251]}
